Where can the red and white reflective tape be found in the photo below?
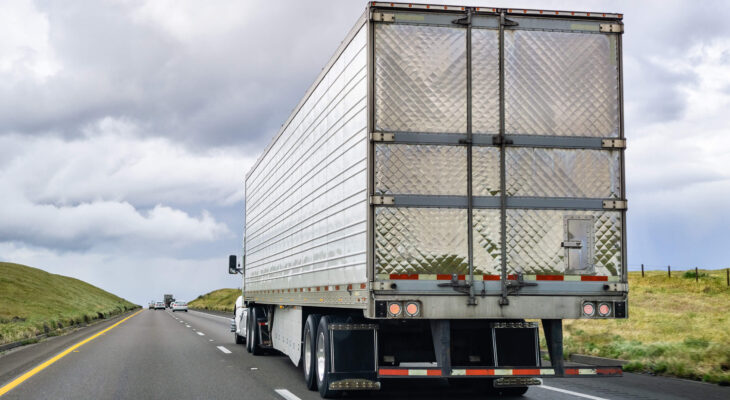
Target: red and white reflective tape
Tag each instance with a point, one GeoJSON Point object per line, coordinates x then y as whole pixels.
{"type": "Point", "coordinates": [331, 288]}
{"type": "Point", "coordinates": [447, 277]}
{"type": "Point", "coordinates": [425, 372]}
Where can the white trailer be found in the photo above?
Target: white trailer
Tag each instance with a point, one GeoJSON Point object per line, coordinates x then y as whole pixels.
{"type": "Point", "coordinates": [452, 172]}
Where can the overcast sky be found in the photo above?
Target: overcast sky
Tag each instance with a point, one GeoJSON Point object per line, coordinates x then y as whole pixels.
{"type": "Point", "coordinates": [126, 129]}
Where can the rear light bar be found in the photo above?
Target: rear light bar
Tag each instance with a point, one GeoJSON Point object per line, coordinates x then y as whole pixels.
{"type": "Point", "coordinates": [603, 309]}
{"type": "Point", "coordinates": [397, 309]}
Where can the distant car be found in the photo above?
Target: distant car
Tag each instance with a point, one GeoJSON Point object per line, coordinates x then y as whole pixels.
{"type": "Point", "coordinates": [179, 306]}
{"type": "Point", "coordinates": [160, 305]}
{"type": "Point", "coordinates": [152, 305]}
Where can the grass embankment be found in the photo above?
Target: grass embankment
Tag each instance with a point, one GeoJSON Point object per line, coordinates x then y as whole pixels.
{"type": "Point", "coordinates": [33, 302]}
{"type": "Point", "coordinates": [217, 300]}
{"type": "Point", "coordinates": [676, 327]}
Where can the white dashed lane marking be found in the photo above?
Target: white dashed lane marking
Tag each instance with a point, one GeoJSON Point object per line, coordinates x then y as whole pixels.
{"type": "Point", "coordinates": [223, 349]}
{"type": "Point", "coordinates": [200, 333]}
{"type": "Point", "coordinates": [570, 392]}
{"type": "Point", "coordinates": [286, 394]}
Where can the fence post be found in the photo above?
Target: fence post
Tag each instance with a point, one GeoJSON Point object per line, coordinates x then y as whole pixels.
{"type": "Point", "coordinates": [669, 270]}
{"type": "Point", "coordinates": [727, 271]}
{"type": "Point", "coordinates": [642, 270]}
{"type": "Point", "coordinates": [697, 275]}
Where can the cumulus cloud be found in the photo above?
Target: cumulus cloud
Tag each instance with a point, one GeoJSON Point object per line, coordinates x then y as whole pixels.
{"type": "Point", "coordinates": [110, 185]}
{"type": "Point", "coordinates": [25, 50]}
{"type": "Point", "coordinates": [223, 74]}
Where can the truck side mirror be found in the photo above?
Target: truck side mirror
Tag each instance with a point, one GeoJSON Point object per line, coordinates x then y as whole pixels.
{"type": "Point", "coordinates": [232, 267]}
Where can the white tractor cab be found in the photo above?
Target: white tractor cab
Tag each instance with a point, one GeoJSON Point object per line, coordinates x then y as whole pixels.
{"type": "Point", "coordinates": [238, 323]}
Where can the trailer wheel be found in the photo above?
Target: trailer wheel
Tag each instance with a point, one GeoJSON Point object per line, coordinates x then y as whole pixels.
{"type": "Point", "coordinates": [238, 338]}
{"type": "Point", "coordinates": [323, 359]}
{"type": "Point", "coordinates": [309, 361]}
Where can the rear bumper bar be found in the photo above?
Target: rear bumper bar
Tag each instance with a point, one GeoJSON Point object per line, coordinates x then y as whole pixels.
{"type": "Point", "coordinates": [542, 372]}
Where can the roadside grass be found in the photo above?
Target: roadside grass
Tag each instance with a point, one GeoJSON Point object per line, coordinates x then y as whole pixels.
{"type": "Point", "coordinates": [34, 302]}
{"type": "Point", "coordinates": [676, 327]}
{"type": "Point", "coordinates": [217, 300]}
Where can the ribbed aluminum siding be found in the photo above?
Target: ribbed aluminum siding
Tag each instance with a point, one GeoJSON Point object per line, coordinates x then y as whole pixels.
{"type": "Point", "coordinates": [306, 201]}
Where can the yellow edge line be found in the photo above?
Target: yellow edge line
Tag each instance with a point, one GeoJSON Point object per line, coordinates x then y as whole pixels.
{"type": "Point", "coordinates": [10, 386]}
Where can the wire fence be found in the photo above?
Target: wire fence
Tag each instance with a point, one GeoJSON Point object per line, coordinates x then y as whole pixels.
{"type": "Point", "coordinates": [668, 268]}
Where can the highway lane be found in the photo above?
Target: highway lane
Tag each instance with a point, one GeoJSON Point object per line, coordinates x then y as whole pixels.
{"type": "Point", "coordinates": [161, 355]}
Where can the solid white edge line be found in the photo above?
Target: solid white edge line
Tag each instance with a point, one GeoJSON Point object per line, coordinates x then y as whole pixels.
{"type": "Point", "coordinates": [570, 392]}
{"type": "Point", "coordinates": [200, 333]}
{"type": "Point", "coordinates": [287, 394]}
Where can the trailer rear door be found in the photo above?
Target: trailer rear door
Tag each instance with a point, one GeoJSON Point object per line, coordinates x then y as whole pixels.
{"type": "Point", "coordinates": [497, 150]}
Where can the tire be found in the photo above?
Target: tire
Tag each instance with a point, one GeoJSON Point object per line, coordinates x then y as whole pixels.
{"type": "Point", "coordinates": [323, 360]}
{"type": "Point", "coordinates": [309, 338]}
{"type": "Point", "coordinates": [253, 340]}
{"type": "Point", "coordinates": [237, 338]}
{"type": "Point", "coordinates": [249, 333]}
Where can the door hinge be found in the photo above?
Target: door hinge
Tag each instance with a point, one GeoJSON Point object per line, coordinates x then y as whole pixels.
{"type": "Point", "coordinates": [380, 200]}
{"type": "Point", "coordinates": [615, 204]}
{"type": "Point", "coordinates": [616, 287]}
{"type": "Point", "coordinates": [572, 244]}
{"type": "Point", "coordinates": [611, 28]}
{"type": "Point", "coordinates": [382, 137]}
{"type": "Point", "coordinates": [383, 17]}
{"type": "Point", "coordinates": [613, 143]}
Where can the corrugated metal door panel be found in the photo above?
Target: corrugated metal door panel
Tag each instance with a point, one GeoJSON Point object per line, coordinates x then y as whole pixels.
{"type": "Point", "coordinates": [537, 172]}
{"type": "Point", "coordinates": [535, 237]}
{"type": "Point", "coordinates": [485, 80]}
{"type": "Point", "coordinates": [420, 241]}
{"type": "Point", "coordinates": [561, 83]}
{"type": "Point", "coordinates": [420, 169]}
{"type": "Point", "coordinates": [420, 78]}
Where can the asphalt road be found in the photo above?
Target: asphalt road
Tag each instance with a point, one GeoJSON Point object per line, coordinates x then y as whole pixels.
{"type": "Point", "coordinates": [161, 355]}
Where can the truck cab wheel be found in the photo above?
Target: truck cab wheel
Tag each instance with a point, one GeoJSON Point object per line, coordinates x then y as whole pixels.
{"type": "Point", "coordinates": [323, 360]}
{"type": "Point", "coordinates": [249, 330]}
{"type": "Point", "coordinates": [237, 338]}
{"type": "Point", "coordinates": [254, 340]}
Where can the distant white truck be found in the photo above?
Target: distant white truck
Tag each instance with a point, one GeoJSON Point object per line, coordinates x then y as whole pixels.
{"type": "Point", "coordinates": [238, 323]}
{"type": "Point", "coordinates": [453, 173]}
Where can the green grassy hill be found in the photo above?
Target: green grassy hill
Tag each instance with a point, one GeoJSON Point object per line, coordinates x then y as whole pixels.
{"type": "Point", "coordinates": [217, 300]}
{"type": "Point", "coordinates": [676, 327]}
{"type": "Point", "coordinates": [34, 302]}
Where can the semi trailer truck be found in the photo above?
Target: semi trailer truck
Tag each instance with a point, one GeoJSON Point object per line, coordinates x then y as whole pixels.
{"type": "Point", "coordinates": [453, 179]}
{"type": "Point", "coordinates": [168, 299]}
